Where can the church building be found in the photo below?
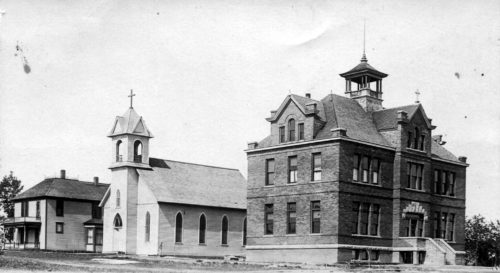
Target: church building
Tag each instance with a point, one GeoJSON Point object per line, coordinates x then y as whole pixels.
{"type": "Point", "coordinates": [344, 179]}
{"type": "Point", "coordinates": [164, 207]}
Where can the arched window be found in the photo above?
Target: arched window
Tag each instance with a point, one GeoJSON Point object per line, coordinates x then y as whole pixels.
{"type": "Point", "coordinates": [119, 156]}
{"type": "Point", "coordinates": [117, 222]}
{"type": "Point", "coordinates": [224, 230]}
{"type": "Point", "coordinates": [245, 232]}
{"type": "Point", "coordinates": [137, 151]}
{"type": "Point", "coordinates": [203, 229]}
{"type": "Point", "coordinates": [148, 226]}
{"type": "Point", "coordinates": [416, 138]}
{"type": "Point", "coordinates": [178, 228]}
{"type": "Point", "coordinates": [117, 198]}
{"type": "Point", "coordinates": [291, 130]}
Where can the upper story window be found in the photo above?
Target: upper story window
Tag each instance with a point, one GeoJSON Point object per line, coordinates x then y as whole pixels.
{"type": "Point", "coordinates": [416, 140]}
{"type": "Point", "coordinates": [269, 171]}
{"type": "Point", "coordinates": [138, 151]}
{"type": "Point", "coordinates": [409, 141]}
{"type": "Point", "coordinates": [119, 155]}
{"type": "Point", "coordinates": [301, 131]}
{"type": "Point", "coordinates": [268, 219]}
{"type": "Point", "coordinates": [415, 174]}
{"type": "Point", "coordinates": [366, 169]}
{"type": "Point", "coordinates": [25, 208]}
{"type": "Point", "coordinates": [59, 207]}
{"type": "Point", "coordinates": [315, 217]}
{"type": "Point", "coordinates": [291, 130]}
{"type": "Point", "coordinates": [96, 211]}
{"type": "Point", "coordinates": [282, 134]}
{"type": "Point", "coordinates": [37, 209]}
{"type": "Point", "coordinates": [444, 182]}
{"type": "Point", "coordinates": [292, 169]}
{"type": "Point", "coordinates": [316, 167]}
{"type": "Point", "coordinates": [117, 198]}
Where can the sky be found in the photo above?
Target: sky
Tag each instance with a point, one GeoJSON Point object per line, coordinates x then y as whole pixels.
{"type": "Point", "coordinates": [208, 73]}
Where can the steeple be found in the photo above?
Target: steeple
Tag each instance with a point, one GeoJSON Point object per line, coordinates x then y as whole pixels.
{"type": "Point", "coordinates": [368, 92]}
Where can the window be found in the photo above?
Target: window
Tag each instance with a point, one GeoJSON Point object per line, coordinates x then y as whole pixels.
{"type": "Point", "coordinates": [414, 224]}
{"type": "Point", "coordinates": [374, 218]}
{"type": "Point", "coordinates": [422, 142]}
{"type": "Point", "coordinates": [444, 182]}
{"type": "Point", "coordinates": [355, 218]}
{"type": "Point", "coordinates": [292, 169]}
{"type": "Point", "coordinates": [444, 225]}
{"type": "Point", "coordinates": [37, 209]}
{"type": "Point", "coordinates": [269, 172]}
{"type": "Point", "coordinates": [137, 151]}
{"type": "Point", "coordinates": [98, 236]}
{"type": "Point", "coordinates": [24, 208]}
{"type": "Point", "coordinates": [451, 183]}
{"type": "Point", "coordinates": [291, 216]}
{"type": "Point", "coordinates": [203, 229]}
{"type": "Point", "coordinates": [416, 138]}
{"type": "Point", "coordinates": [90, 236]}
{"type": "Point", "coordinates": [361, 254]}
{"type": "Point", "coordinates": [315, 217]}
{"type": "Point", "coordinates": [365, 168]}
{"type": "Point", "coordinates": [147, 227]}
{"type": "Point", "coordinates": [224, 230]}
{"type": "Point", "coordinates": [444, 218]}
{"type": "Point", "coordinates": [119, 156]}
{"type": "Point", "coordinates": [365, 218]}
{"type": "Point", "coordinates": [291, 130]}
{"type": "Point", "coordinates": [282, 134]}
{"type": "Point", "coordinates": [268, 219]}
{"type": "Point", "coordinates": [365, 213]}
{"type": "Point", "coordinates": [117, 222]}
{"type": "Point", "coordinates": [117, 198]}
{"type": "Point", "coordinates": [355, 168]}
{"type": "Point", "coordinates": [59, 227]}
{"type": "Point", "coordinates": [301, 131]}
{"type": "Point", "coordinates": [316, 166]}
{"type": "Point", "coordinates": [375, 171]}
{"type": "Point", "coordinates": [451, 227]}
{"type": "Point", "coordinates": [409, 140]}
{"type": "Point", "coordinates": [437, 228]}
{"type": "Point", "coordinates": [437, 182]}
{"type": "Point", "coordinates": [59, 207]}
{"type": "Point", "coordinates": [245, 232]}
{"type": "Point", "coordinates": [374, 255]}
{"type": "Point", "coordinates": [414, 175]}
{"type": "Point", "coordinates": [178, 228]}
{"type": "Point", "coordinates": [96, 211]}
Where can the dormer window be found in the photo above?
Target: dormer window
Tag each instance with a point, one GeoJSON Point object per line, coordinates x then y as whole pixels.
{"type": "Point", "coordinates": [410, 140]}
{"type": "Point", "coordinates": [422, 142]}
{"type": "Point", "coordinates": [291, 130]}
{"type": "Point", "coordinates": [282, 134]}
{"type": "Point", "coordinates": [415, 145]}
{"type": "Point", "coordinates": [301, 131]}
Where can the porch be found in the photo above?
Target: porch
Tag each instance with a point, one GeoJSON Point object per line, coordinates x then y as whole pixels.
{"type": "Point", "coordinates": [24, 232]}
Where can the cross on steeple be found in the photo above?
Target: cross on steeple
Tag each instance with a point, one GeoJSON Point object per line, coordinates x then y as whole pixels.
{"type": "Point", "coordinates": [131, 96]}
{"type": "Point", "coordinates": [417, 93]}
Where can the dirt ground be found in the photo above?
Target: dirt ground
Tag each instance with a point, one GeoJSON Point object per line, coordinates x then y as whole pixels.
{"type": "Point", "coordinates": [40, 261]}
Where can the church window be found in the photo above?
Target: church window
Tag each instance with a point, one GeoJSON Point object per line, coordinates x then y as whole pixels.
{"type": "Point", "coordinates": [269, 171]}
{"type": "Point", "coordinates": [203, 229]}
{"type": "Point", "coordinates": [316, 164]}
{"type": "Point", "coordinates": [148, 226]}
{"type": "Point", "coordinates": [59, 227]}
{"type": "Point", "coordinates": [137, 151]}
{"type": "Point", "coordinates": [301, 131]}
{"type": "Point", "coordinates": [59, 207]}
{"type": "Point", "coordinates": [291, 217]}
{"type": "Point", "coordinates": [225, 225]}
{"type": "Point", "coordinates": [268, 219]}
{"type": "Point", "coordinates": [117, 222]}
{"type": "Point", "coordinates": [315, 217]}
{"type": "Point", "coordinates": [292, 169]}
{"type": "Point", "coordinates": [178, 228]}
{"type": "Point", "coordinates": [291, 130]}
{"type": "Point", "coordinates": [117, 198]}
{"type": "Point", "coordinates": [245, 232]}
{"type": "Point", "coordinates": [282, 134]}
{"type": "Point", "coordinates": [119, 155]}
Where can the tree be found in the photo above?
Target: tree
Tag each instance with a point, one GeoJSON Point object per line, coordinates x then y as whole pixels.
{"type": "Point", "coordinates": [482, 241]}
{"type": "Point", "coordinates": [10, 186]}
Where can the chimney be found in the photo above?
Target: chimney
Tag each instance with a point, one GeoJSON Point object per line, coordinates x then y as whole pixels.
{"type": "Point", "coordinates": [253, 145]}
{"type": "Point", "coordinates": [63, 174]}
{"type": "Point", "coordinates": [462, 159]}
{"type": "Point", "coordinates": [339, 132]}
{"type": "Point", "coordinates": [96, 180]}
{"type": "Point", "coordinates": [308, 95]}
{"type": "Point", "coordinates": [402, 116]}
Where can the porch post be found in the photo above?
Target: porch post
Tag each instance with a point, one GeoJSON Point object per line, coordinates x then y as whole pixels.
{"type": "Point", "coordinates": [24, 238]}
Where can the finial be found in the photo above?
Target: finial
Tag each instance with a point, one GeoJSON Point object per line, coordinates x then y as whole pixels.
{"type": "Point", "coordinates": [131, 96]}
{"type": "Point", "coordinates": [289, 91]}
{"type": "Point", "coordinates": [364, 59]}
{"type": "Point", "coordinates": [417, 93]}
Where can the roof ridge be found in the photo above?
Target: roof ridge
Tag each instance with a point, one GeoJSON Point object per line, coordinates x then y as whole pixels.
{"type": "Point", "coordinates": [197, 164]}
{"type": "Point", "coordinates": [392, 108]}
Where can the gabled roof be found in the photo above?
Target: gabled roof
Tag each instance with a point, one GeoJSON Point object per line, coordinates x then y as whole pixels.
{"type": "Point", "coordinates": [130, 123]}
{"type": "Point", "coordinates": [187, 183]}
{"type": "Point", "coordinates": [301, 103]}
{"type": "Point", "coordinates": [65, 188]}
{"type": "Point", "coordinates": [387, 118]}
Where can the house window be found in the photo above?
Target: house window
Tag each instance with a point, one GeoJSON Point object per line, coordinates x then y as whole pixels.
{"type": "Point", "coordinates": [437, 181]}
{"type": "Point", "coordinates": [291, 216]}
{"type": "Point", "coordinates": [24, 208]}
{"type": "Point", "coordinates": [37, 209]}
{"type": "Point", "coordinates": [414, 175]}
{"type": "Point", "coordinates": [245, 232]}
{"type": "Point", "coordinates": [269, 172]}
{"type": "Point", "coordinates": [178, 228]}
{"type": "Point", "coordinates": [119, 156]}
{"type": "Point", "coordinates": [451, 227]}
{"type": "Point", "coordinates": [147, 227]}
{"type": "Point", "coordinates": [59, 227]}
{"type": "Point", "coordinates": [315, 217]}
{"type": "Point", "coordinates": [416, 138]}
{"type": "Point", "coordinates": [355, 168]}
{"type": "Point", "coordinates": [292, 169]}
{"type": "Point", "coordinates": [118, 198]}
{"type": "Point", "coordinates": [375, 170]}
{"type": "Point", "coordinates": [98, 236]}
{"type": "Point", "coordinates": [437, 227]}
{"type": "Point", "coordinates": [90, 236]}
{"type": "Point", "coordinates": [444, 182]}
{"type": "Point", "coordinates": [355, 218]}
{"type": "Point", "coordinates": [268, 219]}
{"type": "Point", "coordinates": [316, 166]}
{"type": "Point", "coordinates": [365, 168]}
{"type": "Point", "coordinates": [451, 182]}
{"type": "Point", "coordinates": [422, 142]}
{"type": "Point", "coordinates": [374, 218]}
{"type": "Point", "coordinates": [374, 255]}
{"type": "Point", "coordinates": [96, 211]}
{"type": "Point", "coordinates": [138, 151]}
{"type": "Point", "coordinates": [444, 219]}
{"type": "Point", "coordinates": [203, 229]}
{"type": "Point", "coordinates": [365, 218]}
{"type": "Point", "coordinates": [409, 140]}
{"type": "Point", "coordinates": [414, 223]}
{"type": "Point", "coordinates": [59, 207]}
{"type": "Point", "coordinates": [301, 131]}
{"type": "Point", "coordinates": [117, 222]}
{"type": "Point", "coordinates": [282, 134]}
{"type": "Point", "coordinates": [224, 230]}
{"type": "Point", "coordinates": [291, 130]}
